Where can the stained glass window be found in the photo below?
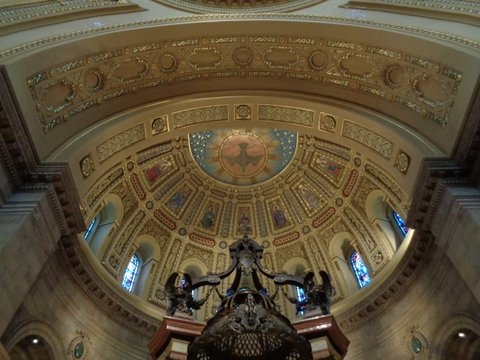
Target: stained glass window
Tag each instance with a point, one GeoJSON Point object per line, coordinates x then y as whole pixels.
{"type": "Point", "coordinates": [400, 222]}
{"type": "Point", "coordinates": [131, 273]}
{"type": "Point", "coordinates": [301, 297]}
{"type": "Point", "coordinates": [360, 270]}
{"type": "Point", "coordinates": [90, 228]}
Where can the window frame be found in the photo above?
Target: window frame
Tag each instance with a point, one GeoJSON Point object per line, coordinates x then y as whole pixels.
{"type": "Point", "coordinates": [134, 278]}
{"type": "Point", "coordinates": [361, 283]}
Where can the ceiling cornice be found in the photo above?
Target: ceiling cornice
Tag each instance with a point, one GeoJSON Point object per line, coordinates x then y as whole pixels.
{"type": "Point", "coordinates": [27, 173]}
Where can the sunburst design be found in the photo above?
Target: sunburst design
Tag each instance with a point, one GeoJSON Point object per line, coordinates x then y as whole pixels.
{"type": "Point", "coordinates": [243, 157]}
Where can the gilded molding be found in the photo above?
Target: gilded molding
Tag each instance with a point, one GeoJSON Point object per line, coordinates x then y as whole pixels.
{"type": "Point", "coordinates": [420, 85]}
{"type": "Point", "coordinates": [233, 6]}
{"type": "Point", "coordinates": [17, 16]}
{"type": "Point", "coordinates": [194, 18]}
{"type": "Point", "coordinates": [452, 10]}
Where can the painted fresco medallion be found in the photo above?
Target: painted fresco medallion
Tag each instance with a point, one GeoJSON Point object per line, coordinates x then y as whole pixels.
{"type": "Point", "coordinates": [243, 157]}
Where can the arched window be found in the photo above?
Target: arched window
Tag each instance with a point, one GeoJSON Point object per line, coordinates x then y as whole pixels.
{"type": "Point", "coordinates": [90, 228]}
{"type": "Point", "coordinates": [360, 270]}
{"type": "Point", "coordinates": [400, 223]}
{"type": "Point", "coordinates": [131, 273]}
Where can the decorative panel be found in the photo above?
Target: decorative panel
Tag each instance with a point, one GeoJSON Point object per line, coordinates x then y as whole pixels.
{"type": "Point", "coordinates": [425, 87]}
{"type": "Point", "coordinates": [368, 138]}
{"type": "Point", "coordinates": [199, 115]}
{"type": "Point", "coordinates": [120, 141]}
{"type": "Point", "coordinates": [287, 114]}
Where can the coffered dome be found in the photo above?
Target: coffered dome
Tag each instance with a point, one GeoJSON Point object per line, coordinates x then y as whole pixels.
{"type": "Point", "coordinates": [310, 180]}
{"type": "Point", "coordinates": [143, 138]}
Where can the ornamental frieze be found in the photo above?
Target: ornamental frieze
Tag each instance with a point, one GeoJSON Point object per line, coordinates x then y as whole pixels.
{"type": "Point", "coordinates": [420, 85]}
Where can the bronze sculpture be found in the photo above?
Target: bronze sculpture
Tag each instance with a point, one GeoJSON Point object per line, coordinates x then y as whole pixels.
{"type": "Point", "coordinates": [247, 325]}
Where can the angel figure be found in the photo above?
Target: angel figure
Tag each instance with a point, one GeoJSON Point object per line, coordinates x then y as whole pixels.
{"type": "Point", "coordinates": [315, 295]}
{"type": "Point", "coordinates": [181, 297]}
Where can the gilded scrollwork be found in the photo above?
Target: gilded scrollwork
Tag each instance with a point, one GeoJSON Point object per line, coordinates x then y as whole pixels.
{"type": "Point", "coordinates": [119, 142]}
{"type": "Point", "coordinates": [368, 138]}
{"type": "Point", "coordinates": [197, 115]}
{"type": "Point", "coordinates": [421, 85]}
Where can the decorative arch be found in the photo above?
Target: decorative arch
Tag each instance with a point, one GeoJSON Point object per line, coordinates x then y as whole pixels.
{"type": "Point", "coordinates": [104, 224]}
{"type": "Point", "coordinates": [340, 251]}
{"type": "Point", "coordinates": [379, 214]}
{"type": "Point", "coordinates": [296, 266]}
{"type": "Point", "coordinates": [448, 340]}
{"type": "Point", "coordinates": [149, 252]}
{"type": "Point", "coordinates": [36, 329]}
{"type": "Point", "coordinates": [194, 267]}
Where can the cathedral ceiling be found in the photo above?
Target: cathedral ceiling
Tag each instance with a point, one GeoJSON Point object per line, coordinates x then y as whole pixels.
{"type": "Point", "coordinates": [202, 132]}
{"type": "Point", "coordinates": [292, 173]}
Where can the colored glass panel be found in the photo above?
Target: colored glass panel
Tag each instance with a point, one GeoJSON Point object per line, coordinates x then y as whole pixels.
{"type": "Point", "coordinates": [360, 270]}
{"type": "Point", "coordinates": [400, 223]}
{"type": "Point", "coordinates": [90, 228]}
{"type": "Point", "coordinates": [301, 297]}
{"type": "Point", "coordinates": [131, 273]}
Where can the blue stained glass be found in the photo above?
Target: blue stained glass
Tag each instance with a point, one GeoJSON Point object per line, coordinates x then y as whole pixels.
{"type": "Point", "coordinates": [131, 273]}
{"type": "Point", "coordinates": [301, 297]}
{"type": "Point", "coordinates": [400, 222]}
{"type": "Point", "coordinates": [360, 270]}
{"type": "Point", "coordinates": [300, 294]}
{"type": "Point", "coordinates": [90, 228]}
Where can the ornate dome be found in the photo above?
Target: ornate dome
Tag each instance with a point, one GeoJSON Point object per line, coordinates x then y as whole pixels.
{"type": "Point", "coordinates": [143, 138]}
{"type": "Point", "coordinates": [311, 186]}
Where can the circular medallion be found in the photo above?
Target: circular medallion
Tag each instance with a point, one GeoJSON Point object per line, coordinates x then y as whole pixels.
{"type": "Point", "coordinates": [243, 157]}
{"type": "Point", "coordinates": [87, 167]}
{"type": "Point", "coordinates": [416, 345]}
{"type": "Point", "coordinates": [393, 76]}
{"type": "Point", "coordinates": [79, 350]}
{"type": "Point", "coordinates": [223, 245]}
{"type": "Point", "coordinates": [318, 60]}
{"type": "Point", "coordinates": [305, 229]}
{"type": "Point", "coordinates": [243, 56]}
{"type": "Point", "coordinates": [78, 347]}
{"type": "Point", "coordinates": [167, 63]}
{"type": "Point", "coordinates": [94, 80]}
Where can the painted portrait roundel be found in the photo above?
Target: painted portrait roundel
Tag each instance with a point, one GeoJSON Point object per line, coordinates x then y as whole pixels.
{"type": "Point", "coordinates": [243, 157]}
